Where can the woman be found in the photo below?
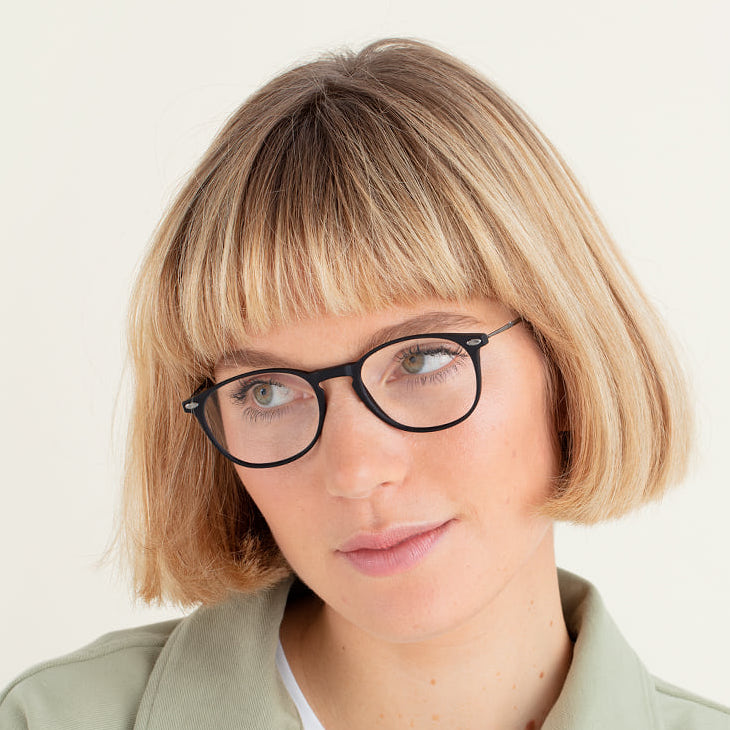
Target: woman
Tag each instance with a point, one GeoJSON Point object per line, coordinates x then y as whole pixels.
{"type": "Point", "coordinates": [405, 345]}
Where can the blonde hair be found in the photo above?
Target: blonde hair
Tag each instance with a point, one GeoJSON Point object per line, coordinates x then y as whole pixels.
{"type": "Point", "coordinates": [346, 185]}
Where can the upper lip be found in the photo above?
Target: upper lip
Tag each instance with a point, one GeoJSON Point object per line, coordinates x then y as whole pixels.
{"type": "Point", "coordinates": [384, 539]}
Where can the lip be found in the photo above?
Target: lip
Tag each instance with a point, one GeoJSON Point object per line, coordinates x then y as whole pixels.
{"type": "Point", "coordinates": [394, 550]}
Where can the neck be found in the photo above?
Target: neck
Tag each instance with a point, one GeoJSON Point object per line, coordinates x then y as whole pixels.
{"type": "Point", "coordinates": [503, 669]}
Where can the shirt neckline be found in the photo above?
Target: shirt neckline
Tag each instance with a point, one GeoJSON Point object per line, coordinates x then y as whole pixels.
{"type": "Point", "coordinates": [310, 721]}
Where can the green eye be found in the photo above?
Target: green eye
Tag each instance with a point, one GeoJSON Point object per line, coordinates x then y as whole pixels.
{"type": "Point", "coordinates": [263, 395]}
{"type": "Point", "coordinates": [420, 362]}
{"type": "Point", "coordinates": [413, 364]}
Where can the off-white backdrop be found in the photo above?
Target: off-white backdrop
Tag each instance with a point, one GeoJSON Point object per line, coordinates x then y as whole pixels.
{"type": "Point", "coordinates": [107, 106]}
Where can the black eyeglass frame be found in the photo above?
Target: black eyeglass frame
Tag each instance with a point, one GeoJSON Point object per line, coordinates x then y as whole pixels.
{"type": "Point", "coordinates": [471, 342]}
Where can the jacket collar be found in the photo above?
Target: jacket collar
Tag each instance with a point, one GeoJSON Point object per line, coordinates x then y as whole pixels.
{"type": "Point", "coordinates": [217, 670]}
{"type": "Point", "coordinates": [607, 686]}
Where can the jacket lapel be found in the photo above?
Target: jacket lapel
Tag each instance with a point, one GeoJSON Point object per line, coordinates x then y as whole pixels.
{"type": "Point", "coordinates": [607, 686]}
{"type": "Point", "coordinates": [218, 670]}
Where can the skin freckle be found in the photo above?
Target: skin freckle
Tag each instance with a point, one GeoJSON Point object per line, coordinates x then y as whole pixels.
{"type": "Point", "coordinates": [435, 718]}
{"type": "Point", "coordinates": [433, 681]}
{"type": "Point", "coordinates": [514, 686]}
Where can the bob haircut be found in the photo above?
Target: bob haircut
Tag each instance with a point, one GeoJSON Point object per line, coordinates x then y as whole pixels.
{"type": "Point", "coordinates": [350, 184]}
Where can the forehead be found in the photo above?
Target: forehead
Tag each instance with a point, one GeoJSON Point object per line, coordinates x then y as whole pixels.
{"type": "Point", "coordinates": [324, 340]}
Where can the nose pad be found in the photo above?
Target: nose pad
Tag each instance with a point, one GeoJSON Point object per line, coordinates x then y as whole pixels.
{"type": "Point", "coordinates": [360, 452]}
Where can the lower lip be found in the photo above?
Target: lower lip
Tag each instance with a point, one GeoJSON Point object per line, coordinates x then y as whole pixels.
{"type": "Point", "coordinates": [400, 557]}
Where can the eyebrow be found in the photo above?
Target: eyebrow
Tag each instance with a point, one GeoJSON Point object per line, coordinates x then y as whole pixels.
{"type": "Point", "coordinates": [425, 323]}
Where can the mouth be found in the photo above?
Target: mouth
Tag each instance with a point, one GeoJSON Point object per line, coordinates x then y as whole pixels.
{"type": "Point", "coordinates": [394, 550]}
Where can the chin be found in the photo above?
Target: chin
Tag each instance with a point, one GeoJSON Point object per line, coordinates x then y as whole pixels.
{"type": "Point", "coordinates": [416, 607]}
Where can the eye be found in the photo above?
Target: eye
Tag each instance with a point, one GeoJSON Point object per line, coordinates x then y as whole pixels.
{"type": "Point", "coordinates": [270, 395]}
{"type": "Point", "coordinates": [420, 362]}
{"type": "Point", "coordinates": [265, 394]}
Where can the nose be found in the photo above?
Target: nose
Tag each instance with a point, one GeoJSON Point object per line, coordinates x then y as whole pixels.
{"type": "Point", "coordinates": [359, 452]}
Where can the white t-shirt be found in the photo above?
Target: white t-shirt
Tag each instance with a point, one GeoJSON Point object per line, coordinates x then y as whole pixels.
{"type": "Point", "coordinates": [309, 719]}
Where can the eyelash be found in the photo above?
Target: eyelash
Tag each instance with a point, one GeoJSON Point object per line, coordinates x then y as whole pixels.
{"type": "Point", "coordinates": [417, 350]}
{"type": "Point", "coordinates": [264, 416]}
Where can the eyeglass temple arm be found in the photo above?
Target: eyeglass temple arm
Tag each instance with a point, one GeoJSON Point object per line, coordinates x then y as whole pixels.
{"type": "Point", "coordinates": [505, 327]}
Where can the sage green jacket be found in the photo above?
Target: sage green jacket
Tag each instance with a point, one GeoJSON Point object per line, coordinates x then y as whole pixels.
{"type": "Point", "coordinates": [216, 669]}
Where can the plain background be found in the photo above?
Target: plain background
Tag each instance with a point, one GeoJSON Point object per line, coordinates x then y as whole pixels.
{"type": "Point", "coordinates": [108, 105]}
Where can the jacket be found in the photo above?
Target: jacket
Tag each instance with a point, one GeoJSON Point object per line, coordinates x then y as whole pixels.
{"type": "Point", "coordinates": [216, 669]}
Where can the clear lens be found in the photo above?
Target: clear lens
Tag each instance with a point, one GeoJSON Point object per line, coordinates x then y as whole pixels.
{"type": "Point", "coordinates": [263, 418]}
{"type": "Point", "coordinates": [422, 383]}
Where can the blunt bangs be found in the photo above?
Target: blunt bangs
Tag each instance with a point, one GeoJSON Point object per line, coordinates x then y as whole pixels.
{"type": "Point", "coordinates": [329, 217]}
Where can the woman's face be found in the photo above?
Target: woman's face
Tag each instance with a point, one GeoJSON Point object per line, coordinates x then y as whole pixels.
{"type": "Point", "coordinates": [449, 516]}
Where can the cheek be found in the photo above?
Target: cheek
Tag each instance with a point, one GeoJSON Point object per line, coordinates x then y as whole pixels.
{"type": "Point", "coordinates": [506, 447]}
{"type": "Point", "coordinates": [270, 496]}
{"type": "Point", "coordinates": [288, 505]}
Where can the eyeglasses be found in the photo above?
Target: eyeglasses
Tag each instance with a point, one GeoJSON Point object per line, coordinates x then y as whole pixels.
{"type": "Point", "coordinates": [271, 417]}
